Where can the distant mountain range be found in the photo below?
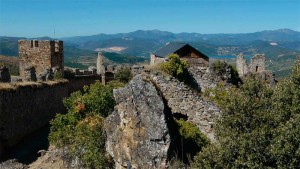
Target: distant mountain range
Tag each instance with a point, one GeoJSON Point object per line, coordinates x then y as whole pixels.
{"type": "Point", "coordinates": [132, 47]}
{"type": "Point", "coordinates": [143, 42]}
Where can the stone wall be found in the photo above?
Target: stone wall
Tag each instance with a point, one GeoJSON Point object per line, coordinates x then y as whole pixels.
{"type": "Point", "coordinates": [26, 107]}
{"type": "Point", "coordinates": [155, 60]}
{"type": "Point", "coordinates": [241, 65]}
{"type": "Point", "coordinates": [183, 100]}
{"type": "Point", "coordinates": [41, 55]}
{"type": "Point", "coordinates": [257, 64]}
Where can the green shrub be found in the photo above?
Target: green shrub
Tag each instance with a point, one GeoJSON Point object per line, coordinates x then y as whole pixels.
{"type": "Point", "coordinates": [259, 126]}
{"type": "Point", "coordinates": [191, 134]}
{"type": "Point", "coordinates": [176, 67]}
{"type": "Point", "coordinates": [58, 75]}
{"type": "Point", "coordinates": [81, 129]}
{"type": "Point", "coordinates": [220, 69]}
{"type": "Point", "coordinates": [123, 75]}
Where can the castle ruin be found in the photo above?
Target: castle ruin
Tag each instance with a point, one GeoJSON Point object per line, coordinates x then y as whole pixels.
{"type": "Point", "coordinates": [257, 64]}
{"type": "Point", "coordinates": [37, 57]}
{"type": "Point", "coordinates": [100, 64]}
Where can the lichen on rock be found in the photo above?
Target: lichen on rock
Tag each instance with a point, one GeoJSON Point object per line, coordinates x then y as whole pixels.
{"type": "Point", "coordinates": [137, 133]}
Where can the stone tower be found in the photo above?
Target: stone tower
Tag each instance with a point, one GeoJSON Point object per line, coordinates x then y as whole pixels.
{"type": "Point", "coordinates": [257, 64]}
{"type": "Point", "coordinates": [40, 55]}
{"type": "Point", "coordinates": [100, 64]}
{"type": "Point", "coordinates": [241, 65]}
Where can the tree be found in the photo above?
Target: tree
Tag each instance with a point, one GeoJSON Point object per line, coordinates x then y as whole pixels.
{"type": "Point", "coordinates": [176, 67]}
{"type": "Point", "coordinates": [80, 131]}
{"type": "Point", "coordinates": [259, 127]}
{"type": "Point", "coordinates": [123, 75]}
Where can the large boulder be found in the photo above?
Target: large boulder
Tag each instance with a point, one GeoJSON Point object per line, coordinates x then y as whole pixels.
{"type": "Point", "coordinates": [137, 132]}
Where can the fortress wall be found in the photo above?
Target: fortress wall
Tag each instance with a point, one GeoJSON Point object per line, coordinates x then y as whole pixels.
{"type": "Point", "coordinates": [29, 106]}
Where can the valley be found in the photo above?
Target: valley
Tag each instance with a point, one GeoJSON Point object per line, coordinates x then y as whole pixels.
{"type": "Point", "coordinates": [281, 47]}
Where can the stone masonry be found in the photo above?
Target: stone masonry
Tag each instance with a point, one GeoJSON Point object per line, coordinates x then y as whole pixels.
{"type": "Point", "coordinates": [183, 100]}
{"type": "Point", "coordinates": [241, 65]}
{"type": "Point", "coordinates": [100, 64]}
{"type": "Point", "coordinates": [40, 55]}
{"type": "Point", "coordinates": [257, 64]}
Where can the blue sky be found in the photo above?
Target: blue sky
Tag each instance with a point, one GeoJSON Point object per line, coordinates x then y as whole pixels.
{"type": "Point", "coordinates": [35, 18]}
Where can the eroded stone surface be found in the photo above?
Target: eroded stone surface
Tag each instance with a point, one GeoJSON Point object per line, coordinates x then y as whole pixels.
{"type": "Point", "coordinates": [137, 130]}
{"type": "Point", "coordinates": [183, 100]}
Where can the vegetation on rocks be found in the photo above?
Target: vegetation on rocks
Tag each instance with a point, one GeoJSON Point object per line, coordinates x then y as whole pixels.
{"type": "Point", "coordinates": [258, 127]}
{"type": "Point", "coordinates": [221, 68]}
{"type": "Point", "coordinates": [123, 74]}
{"type": "Point", "coordinates": [178, 68]}
{"type": "Point", "coordinates": [175, 67]}
{"type": "Point", "coordinates": [192, 139]}
{"type": "Point", "coordinates": [80, 131]}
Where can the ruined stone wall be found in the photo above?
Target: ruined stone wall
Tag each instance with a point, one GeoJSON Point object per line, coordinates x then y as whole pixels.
{"type": "Point", "coordinates": [40, 54]}
{"type": "Point", "coordinates": [57, 59]}
{"type": "Point", "coordinates": [100, 64]}
{"type": "Point", "coordinates": [155, 60]}
{"type": "Point", "coordinates": [257, 64]}
{"type": "Point", "coordinates": [241, 65]}
{"type": "Point", "coordinates": [183, 100]}
{"type": "Point", "coordinates": [27, 107]}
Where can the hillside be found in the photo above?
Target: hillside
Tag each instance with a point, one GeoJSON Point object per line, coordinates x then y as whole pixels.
{"type": "Point", "coordinates": [152, 39]}
{"type": "Point", "coordinates": [11, 62]}
{"type": "Point", "coordinates": [280, 46]}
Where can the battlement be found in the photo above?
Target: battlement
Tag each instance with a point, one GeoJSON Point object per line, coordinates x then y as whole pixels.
{"type": "Point", "coordinates": [39, 56]}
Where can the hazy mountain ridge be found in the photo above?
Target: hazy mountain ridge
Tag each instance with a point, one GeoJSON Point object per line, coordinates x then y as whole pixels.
{"type": "Point", "coordinates": [217, 39]}
{"type": "Point", "coordinates": [281, 46]}
{"type": "Point", "coordinates": [142, 42]}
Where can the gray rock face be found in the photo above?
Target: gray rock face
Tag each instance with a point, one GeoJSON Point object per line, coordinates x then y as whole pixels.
{"type": "Point", "coordinates": [142, 132]}
{"type": "Point", "coordinates": [182, 100]}
{"type": "Point", "coordinates": [12, 164]}
{"type": "Point", "coordinates": [207, 78]}
{"type": "Point", "coordinates": [137, 131]}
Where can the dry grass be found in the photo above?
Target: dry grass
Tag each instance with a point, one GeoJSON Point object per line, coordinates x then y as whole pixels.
{"type": "Point", "coordinates": [15, 86]}
{"type": "Point", "coordinates": [9, 60]}
{"type": "Point", "coordinates": [7, 86]}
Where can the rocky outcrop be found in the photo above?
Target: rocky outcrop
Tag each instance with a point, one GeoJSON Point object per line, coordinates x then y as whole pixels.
{"type": "Point", "coordinates": [207, 77]}
{"type": "Point", "coordinates": [203, 77]}
{"type": "Point", "coordinates": [185, 102]}
{"type": "Point", "coordinates": [137, 134]}
{"type": "Point", "coordinates": [12, 164]}
{"type": "Point", "coordinates": [141, 132]}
